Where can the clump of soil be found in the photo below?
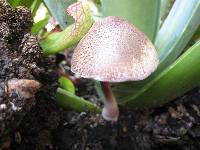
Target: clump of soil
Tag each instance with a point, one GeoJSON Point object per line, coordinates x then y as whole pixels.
{"type": "Point", "coordinates": [21, 65]}
{"type": "Point", "coordinates": [41, 124]}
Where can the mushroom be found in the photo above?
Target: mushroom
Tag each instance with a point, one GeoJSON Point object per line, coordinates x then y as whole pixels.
{"type": "Point", "coordinates": [114, 51]}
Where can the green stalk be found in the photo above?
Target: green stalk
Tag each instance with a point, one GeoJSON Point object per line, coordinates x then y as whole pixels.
{"type": "Point", "coordinates": [66, 84]}
{"type": "Point", "coordinates": [35, 6]}
{"type": "Point", "coordinates": [37, 27]}
{"type": "Point", "coordinates": [68, 100]}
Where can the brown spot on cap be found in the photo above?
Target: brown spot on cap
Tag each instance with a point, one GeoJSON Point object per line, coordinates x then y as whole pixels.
{"type": "Point", "coordinates": [115, 51]}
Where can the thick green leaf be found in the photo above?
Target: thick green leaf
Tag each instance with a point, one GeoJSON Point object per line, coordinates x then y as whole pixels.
{"type": "Point", "coordinates": [58, 10]}
{"type": "Point", "coordinates": [68, 100]}
{"type": "Point", "coordinates": [178, 28]}
{"type": "Point", "coordinates": [66, 84]}
{"type": "Point", "coordinates": [37, 27]}
{"type": "Point", "coordinates": [178, 78]}
{"type": "Point", "coordinates": [144, 14]}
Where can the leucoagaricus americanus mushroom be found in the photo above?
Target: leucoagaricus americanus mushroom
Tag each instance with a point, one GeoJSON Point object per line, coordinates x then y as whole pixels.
{"type": "Point", "coordinates": [114, 51]}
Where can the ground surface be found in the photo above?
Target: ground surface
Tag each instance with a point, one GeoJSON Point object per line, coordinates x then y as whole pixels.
{"type": "Point", "coordinates": [175, 125]}
{"type": "Point", "coordinates": [39, 123]}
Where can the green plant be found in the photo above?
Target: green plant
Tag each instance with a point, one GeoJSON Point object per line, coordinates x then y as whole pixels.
{"type": "Point", "coordinates": [173, 27]}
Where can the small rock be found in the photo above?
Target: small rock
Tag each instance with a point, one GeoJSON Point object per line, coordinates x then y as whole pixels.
{"type": "Point", "coordinates": [23, 87]}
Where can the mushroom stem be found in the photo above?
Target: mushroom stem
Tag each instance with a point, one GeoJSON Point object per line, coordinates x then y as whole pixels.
{"type": "Point", "coordinates": [110, 111]}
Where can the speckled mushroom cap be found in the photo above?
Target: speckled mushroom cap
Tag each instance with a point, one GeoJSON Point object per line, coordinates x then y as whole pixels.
{"type": "Point", "coordinates": [115, 51]}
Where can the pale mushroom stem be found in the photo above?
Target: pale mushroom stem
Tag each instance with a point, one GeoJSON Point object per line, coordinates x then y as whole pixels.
{"type": "Point", "coordinates": [110, 111]}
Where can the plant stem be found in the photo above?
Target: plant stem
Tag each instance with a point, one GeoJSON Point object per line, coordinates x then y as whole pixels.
{"type": "Point", "coordinates": [110, 111]}
{"type": "Point", "coordinates": [69, 100]}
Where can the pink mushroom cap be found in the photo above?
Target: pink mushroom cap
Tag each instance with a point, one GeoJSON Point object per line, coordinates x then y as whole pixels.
{"type": "Point", "coordinates": [114, 51]}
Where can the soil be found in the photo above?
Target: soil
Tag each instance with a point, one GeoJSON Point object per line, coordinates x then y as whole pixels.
{"type": "Point", "coordinates": [37, 122]}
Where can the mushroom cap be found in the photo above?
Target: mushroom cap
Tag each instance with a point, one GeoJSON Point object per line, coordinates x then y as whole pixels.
{"type": "Point", "coordinates": [115, 51]}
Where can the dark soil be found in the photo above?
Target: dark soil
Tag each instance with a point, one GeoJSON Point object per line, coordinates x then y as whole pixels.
{"type": "Point", "coordinates": [175, 125]}
{"type": "Point", "coordinates": [41, 124]}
